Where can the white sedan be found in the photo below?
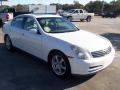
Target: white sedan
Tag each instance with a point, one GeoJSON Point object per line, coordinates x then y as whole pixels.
{"type": "Point", "coordinates": [67, 49]}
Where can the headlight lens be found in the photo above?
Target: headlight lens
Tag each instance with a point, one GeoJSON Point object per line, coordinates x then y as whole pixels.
{"type": "Point", "coordinates": [80, 53]}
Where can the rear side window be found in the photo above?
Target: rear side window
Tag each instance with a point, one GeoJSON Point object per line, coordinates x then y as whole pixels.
{"type": "Point", "coordinates": [76, 11]}
{"type": "Point", "coordinates": [81, 11]}
{"type": "Point", "coordinates": [18, 22]}
{"type": "Point", "coordinates": [30, 23]}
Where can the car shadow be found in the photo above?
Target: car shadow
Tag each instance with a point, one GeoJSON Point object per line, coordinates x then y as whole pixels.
{"type": "Point", "coordinates": [22, 71]}
{"type": "Point", "coordinates": [114, 38]}
{"type": "Point", "coordinates": [79, 21]}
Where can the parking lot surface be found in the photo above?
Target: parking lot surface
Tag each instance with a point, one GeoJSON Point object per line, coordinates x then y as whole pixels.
{"type": "Point", "coordinates": [21, 71]}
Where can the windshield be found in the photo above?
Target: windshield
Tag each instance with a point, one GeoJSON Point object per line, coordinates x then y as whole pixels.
{"type": "Point", "coordinates": [56, 25]}
{"type": "Point", "coordinates": [71, 11]}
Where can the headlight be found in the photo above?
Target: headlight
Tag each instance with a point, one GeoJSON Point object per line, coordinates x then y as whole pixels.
{"type": "Point", "coordinates": [80, 53]}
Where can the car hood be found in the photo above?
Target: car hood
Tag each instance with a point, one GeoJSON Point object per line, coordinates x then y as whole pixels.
{"type": "Point", "coordinates": [83, 39]}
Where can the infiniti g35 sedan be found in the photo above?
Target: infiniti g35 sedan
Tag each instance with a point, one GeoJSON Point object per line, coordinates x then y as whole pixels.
{"type": "Point", "coordinates": [67, 49]}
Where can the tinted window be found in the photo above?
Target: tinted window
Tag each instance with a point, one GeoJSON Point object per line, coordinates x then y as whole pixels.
{"type": "Point", "coordinates": [71, 11]}
{"type": "Point", "coordinates": [76, 11]}
{"type": "Point", "coordinates": [18, 22]}
{"type": "Point", "coordinates": [81, 11]}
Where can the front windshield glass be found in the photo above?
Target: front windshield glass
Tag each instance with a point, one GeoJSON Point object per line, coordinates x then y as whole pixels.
{"type": "Point", "coordinates": [71, 11]}
{"type": "Point", "coordinates": [56, 25]}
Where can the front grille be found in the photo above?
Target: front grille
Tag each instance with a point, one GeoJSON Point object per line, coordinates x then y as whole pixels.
{"type": "Point", "coordinates": [101, 53]}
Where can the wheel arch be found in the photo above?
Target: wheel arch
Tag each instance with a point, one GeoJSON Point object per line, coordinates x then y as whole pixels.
{"type": "Point", "coordinates": [68, 65]}
{"type": "Point", "coordinates": [89, 16]}
{"type": "Point", "coordinates": [51, 52]}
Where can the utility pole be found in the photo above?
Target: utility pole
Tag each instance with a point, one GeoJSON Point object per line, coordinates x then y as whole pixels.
{"type": "Point", "coordinates": [102, 9]}
{"type": "Point", "coordinates": [59, 4]}
{"type": "Point", "coordinates": [1, 3]}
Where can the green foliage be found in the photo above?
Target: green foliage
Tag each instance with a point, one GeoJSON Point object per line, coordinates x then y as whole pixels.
{"type": "Point", "coordinates": [94, 6]}
{"type": "Point", "coordinates": [20, 8]}
{"type": "Point", "coordinates": [99, 6]}
{"type": "Point", "coordinates": [4, 7]}
{"type": "Point", "coordinates": [75, 5]}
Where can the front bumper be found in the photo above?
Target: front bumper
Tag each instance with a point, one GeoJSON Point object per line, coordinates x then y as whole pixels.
{"type": "Point", "coordinates": [93, 65]}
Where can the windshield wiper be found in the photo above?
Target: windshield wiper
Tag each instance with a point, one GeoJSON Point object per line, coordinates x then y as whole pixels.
{"type": "Point", "coordinates": [62, 31]}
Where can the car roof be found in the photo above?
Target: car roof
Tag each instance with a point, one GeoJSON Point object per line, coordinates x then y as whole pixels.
{"type": "Point", "coordinates": [76, 9]}
{"type": "Point", "coordinates": [37, 15]}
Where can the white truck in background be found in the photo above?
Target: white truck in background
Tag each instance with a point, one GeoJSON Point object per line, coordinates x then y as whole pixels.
{"type": "Point", "coordinates": [78, 14]}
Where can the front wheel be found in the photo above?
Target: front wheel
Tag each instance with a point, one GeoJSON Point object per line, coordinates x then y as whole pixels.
{"type": "Point", "coordinates": [70, 18]}
{"type": "Point", "coordinates": [8, 43]}
{"type": "Point", "coordinates": [60, 65]}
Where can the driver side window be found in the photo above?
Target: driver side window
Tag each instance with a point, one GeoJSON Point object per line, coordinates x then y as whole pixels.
{"type": "Point", "coordinates": [31, 25]}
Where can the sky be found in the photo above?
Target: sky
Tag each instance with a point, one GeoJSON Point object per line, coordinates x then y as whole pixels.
{"type": "Point", "coordinates": [46, 2]}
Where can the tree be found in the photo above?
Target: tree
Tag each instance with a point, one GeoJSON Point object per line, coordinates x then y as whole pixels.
{"type": "Point", "coordinates": [78, 5]}
{"type": "Point", "coordinates": [115, 6]}
{"type": "Point", "coordinates": [75, 5]}
{"type": "Point", "coordinates": [94, 6]}
{"type": "Point", "coordinates": [20, 8]}
{"type": "Point", "coordinates": [5, 6]}
{"type": "Point", "coordinates": [98, 6]}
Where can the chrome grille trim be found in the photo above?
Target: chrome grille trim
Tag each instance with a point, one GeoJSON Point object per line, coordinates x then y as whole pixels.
{"type": "Point", "coordinates": [101, 53]}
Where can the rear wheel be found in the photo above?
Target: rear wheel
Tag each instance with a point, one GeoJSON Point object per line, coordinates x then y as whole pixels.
{"type": "Point", "coordinates": [8, 43]}
{"type": "Point", "coordinates": [88, 19]}
{"type": "Point", "coordinates": [59, 65]}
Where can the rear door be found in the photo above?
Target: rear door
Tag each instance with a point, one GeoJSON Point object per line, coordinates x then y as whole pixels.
{"type": "Point", "coordinates": [81, 15]}
{"type": "Point", "coordinates": [17, 31]}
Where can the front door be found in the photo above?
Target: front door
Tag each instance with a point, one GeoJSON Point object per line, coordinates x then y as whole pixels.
{"type": "Point", "coordinates": [32, 41]}
{"type": "Point", "coordinates": [75, 15]}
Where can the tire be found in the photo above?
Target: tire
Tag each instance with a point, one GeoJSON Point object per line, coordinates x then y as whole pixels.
{"type": "Point", "coordinates": [8, 43]}
{"type": "Point", "coordinates": [103, 17]}
{"type": "Point", "coordinates": [88, 19]}
{"type": "Point", "coordinates": [70, 18]}
{"type": "Point", "coordinates": [60, 65]}
{"type": "Point", "coordinates": [1, 23]}
{"type": "Point", "coordinates": [81, 20]}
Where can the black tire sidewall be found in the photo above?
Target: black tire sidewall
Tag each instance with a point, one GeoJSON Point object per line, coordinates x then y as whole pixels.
{"type": "Point", "coordinates": [88, 19]}
{"type": "Point", "coordinates": [70, 18]}
{"type": "Point", "coordinates": [68, 69]}
{"type": "Point", "coordinates": [11, 46]}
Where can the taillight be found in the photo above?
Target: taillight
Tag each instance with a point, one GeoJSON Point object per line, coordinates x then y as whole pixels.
{"type": "Point", "coordinates": [7, 17]}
